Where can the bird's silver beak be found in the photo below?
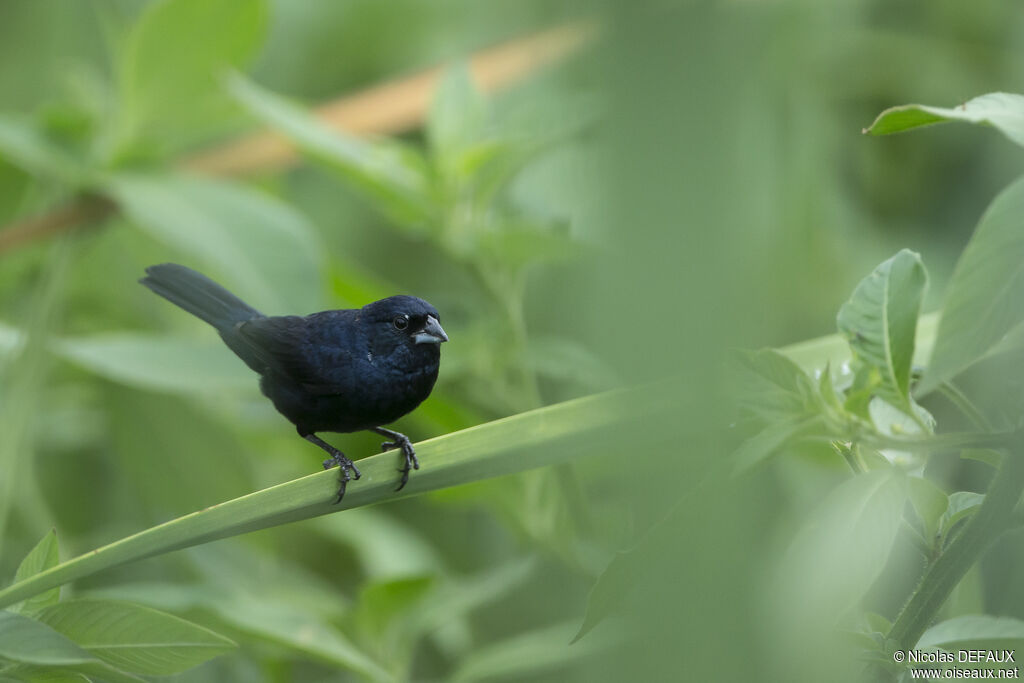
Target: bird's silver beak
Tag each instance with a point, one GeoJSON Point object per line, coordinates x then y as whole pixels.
{"type": "Point", "coordinates": [431, 332]}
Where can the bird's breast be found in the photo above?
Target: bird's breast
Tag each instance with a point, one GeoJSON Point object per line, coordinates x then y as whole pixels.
{"type": "Point", "coordinates": [384, 395]}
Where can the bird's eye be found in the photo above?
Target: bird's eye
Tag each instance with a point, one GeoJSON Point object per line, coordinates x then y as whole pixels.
{"type": "Point", "coordinates": [401, 322]}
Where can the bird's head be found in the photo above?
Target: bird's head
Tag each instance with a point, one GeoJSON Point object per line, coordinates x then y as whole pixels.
{"type": "Point", "coordinates": [405, 321]}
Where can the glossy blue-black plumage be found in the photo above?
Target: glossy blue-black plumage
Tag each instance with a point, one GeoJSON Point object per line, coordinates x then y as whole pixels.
{"type": "Point", "coordinates": [343, 371]}
{"type": "Point", "coordinates": [336, 371]}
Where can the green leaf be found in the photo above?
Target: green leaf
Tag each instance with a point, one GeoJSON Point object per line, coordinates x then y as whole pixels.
{"type": "Point", "coordinates": [134, 638]}
{"type": "Point", "coordinates": [159, 363]}
{"type": "Point", "coordinates": [31, 642]}
{"type": "Point", "coordinates": [770, 385]}
{"type": "Point", "coordinates": [25, 146]}
{"type": "Point", "coordinates": [40, 558]}
{"type": "Point", "coordinates": [460, 595]}
{"type": "Point", "coordinates": [962, 504]}
{"type": "Point", "coordinates": [777, 392]}
{"type": "Point", "coordinates": [263, 246]}
{"type": "Point", "coordinates": [457, 115]}
{"type": "Point", "coordinates": [174, 58]}
{"type": "Point", "coordinates": [877, 623]}
{"type": "Point", "coordinates": [386, 618]}
{"type": "Point", "coordinates": [381, 602]}
{"type": "Point", "coordinates": [444, 615]}
{"type": "Point", "coordinates": [1003, 111]}
{"type": "Point", "coordinates": [985, 299]}
{"type": "Point", "coordinates": [861, 393]}
{"type": "Point", "coordinates": [871, 458]}
{"type": "Point", "coordinates": [989, 456]}
{"type": "Point", "coordinates": [535, 651]}
{"type": "Point", "coordinates": [41, 674]}
{"type": "Point", "coordinates": [772, 438]}
{"type": "Point", "coordinates": [282, 616]}
{"type": "Point", "coordinates": [880, 321]}
{"type": "Point", "coordinates": [892, 421]}
{"type": "Point", "coordinates": [827, 389]}
{"type": "Point", "coordinates": [279, 622]}
{"type": "Point", "coordinates": [393, 176]}
{"type": "Point", "coordinates": [607, 591]}
{"type": "Point", "coordinates": [930, 503]}
{"type": "Point", "coordinates": [42, 652]}
{"type": "Point", "coordinates": [976, 631]}
{"type": "Point", "coordinates": [486, 168]}
{"type": "Point", "coordinates": [834, 350]}
{"type": "Point", "coordinates": [844, 544]}
{"type": "Point", "coordinates": [554, 434]}
{"type": "Point", "coordinates": [87, 672]}
{"type": "Point", "coordinates": [386, 547]}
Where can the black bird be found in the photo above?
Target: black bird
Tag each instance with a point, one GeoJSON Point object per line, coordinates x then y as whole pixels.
{"type": "Point", "coordinates": [334, 371]}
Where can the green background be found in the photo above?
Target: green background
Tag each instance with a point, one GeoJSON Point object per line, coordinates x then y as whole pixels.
{"type": "Point", "coordinates": [693, 180]}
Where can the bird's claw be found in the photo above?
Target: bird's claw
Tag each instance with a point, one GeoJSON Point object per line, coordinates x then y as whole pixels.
{"type": "Point", "coordinates": [348, 472]}
{"type": "Point", "coordinates": [344, 463]}
{"type": "Point", "coordinates": [411, 462]}
{"type": "Point", "coordinates": [337, 458]}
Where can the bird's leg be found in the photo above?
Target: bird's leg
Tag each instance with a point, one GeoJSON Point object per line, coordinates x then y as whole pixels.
{"type": "Point", "coordinates": [400, 441]}
{"type": "Point", "coordinates": [337, 458]}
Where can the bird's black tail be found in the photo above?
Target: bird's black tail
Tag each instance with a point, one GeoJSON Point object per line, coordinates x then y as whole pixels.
{"type": "Point", "coordinates": [199, 295]}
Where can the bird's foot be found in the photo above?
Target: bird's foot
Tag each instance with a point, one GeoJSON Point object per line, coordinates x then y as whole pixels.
{"type": "Point", "coordinates": [346, 465]}
{"type": "Point", "coordinates": [347, 468]}
{"type": "Point", "coordinates": [400, 441]}
{"type": "Point", "coordinates": [348, 472]}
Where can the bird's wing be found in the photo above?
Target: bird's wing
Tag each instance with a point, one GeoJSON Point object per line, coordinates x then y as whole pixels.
{"type": "Point", "coordinates": [284, 348]}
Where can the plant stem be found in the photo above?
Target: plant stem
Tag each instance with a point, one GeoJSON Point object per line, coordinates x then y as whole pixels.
{"type": "Point", "coordinates": [547, 436]}
{"type": "Point", "coordinates": [943, 442]}
{"type": "Point", "coordinates": [939, 580]}
{"type": "Point", "coordinates": [81, 210]}
{"type": "Point", "coordinates": [856, 466]}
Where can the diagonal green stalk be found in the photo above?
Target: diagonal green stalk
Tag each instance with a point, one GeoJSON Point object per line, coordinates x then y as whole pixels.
{"type": "Point", "coordinates": [993, 518]}
{"type": "Point", "coordinates": [536, 438]}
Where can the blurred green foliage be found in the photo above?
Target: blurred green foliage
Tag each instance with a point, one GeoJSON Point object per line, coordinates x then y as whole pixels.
{"type": "Point", "coordinates": [694, 180]}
